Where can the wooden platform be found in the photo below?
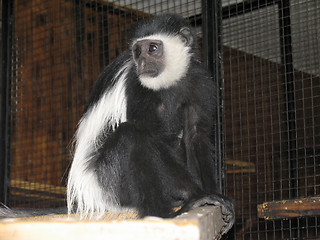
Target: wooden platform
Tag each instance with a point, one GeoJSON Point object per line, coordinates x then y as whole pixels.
{"type": "Point", "coordinates": [199, 224]}
{"type": "Point", "coordinates": [300, 207]}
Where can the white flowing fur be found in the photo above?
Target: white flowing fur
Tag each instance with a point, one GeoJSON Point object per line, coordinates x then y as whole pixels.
{"type": "Point", "coordinates": [83, 188]}
{"type": "Point", "coordinates": [177, 60]}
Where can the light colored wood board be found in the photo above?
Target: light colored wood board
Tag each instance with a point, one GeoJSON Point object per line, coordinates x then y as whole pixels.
{"type": "Point", "coordinates": [108, 216]}
{"type": "Point", "coordinates": [199, 224]}
{"type": "Point", "coordinates": [209, 221]}
{"type": "Point", "coordinates": [140, 229]}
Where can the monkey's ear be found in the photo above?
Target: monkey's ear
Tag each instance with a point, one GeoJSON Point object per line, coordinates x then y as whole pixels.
{"type": "Point", "coordinates": [186, 36]}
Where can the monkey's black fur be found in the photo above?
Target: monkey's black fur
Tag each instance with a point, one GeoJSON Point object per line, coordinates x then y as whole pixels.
{"type": "Point", "coordinates": [162, 156]}
{"type": "Point", "coordinates": [159, 168]}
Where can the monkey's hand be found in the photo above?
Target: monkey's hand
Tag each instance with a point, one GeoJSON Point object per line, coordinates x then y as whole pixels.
{"type": "Point", "coordinates": [226, 204]}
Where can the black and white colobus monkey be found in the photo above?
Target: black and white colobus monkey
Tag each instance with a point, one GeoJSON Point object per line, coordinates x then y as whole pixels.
{"type": "Point", "coordinates": [144, 140]}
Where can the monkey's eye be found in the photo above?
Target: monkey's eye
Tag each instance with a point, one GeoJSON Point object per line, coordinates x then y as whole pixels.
{"type": "Point", "coordinates": [153, 47]}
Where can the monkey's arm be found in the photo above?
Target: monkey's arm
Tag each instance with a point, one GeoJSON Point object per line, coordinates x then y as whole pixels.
{"type": "Point", "coordinates": [199, 149]}
{"type": "Point", "coordinates": [200, 162]}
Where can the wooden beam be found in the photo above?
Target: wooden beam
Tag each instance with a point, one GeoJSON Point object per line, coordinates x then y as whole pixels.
{"type": "Point", "coordinates": [237, 166]}
{"type": "Point", "coordinates": [301, 207]}
{"type": "Point", "coordinates": [39, 187]}
{"type": "Point", "coordinates": [199, 224]}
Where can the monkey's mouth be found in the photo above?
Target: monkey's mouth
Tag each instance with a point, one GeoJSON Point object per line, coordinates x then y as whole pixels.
{"type": "Point", "coordinates": [148, 73]}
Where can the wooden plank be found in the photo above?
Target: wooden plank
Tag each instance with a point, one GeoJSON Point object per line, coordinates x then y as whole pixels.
{"type": "Point", "coordinates": [290, 208]}
{"type": "Point", "coordinates": [34, 186]}
{"type": "Point", "coordinates": [241, 166]}
{"type": "Point", "coordinates": [199, 224]}
{"type": "Point", "coordinates": [209, 220]}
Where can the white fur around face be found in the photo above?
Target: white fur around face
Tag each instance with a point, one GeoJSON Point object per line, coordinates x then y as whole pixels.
{"type": "Point", "coordinates": [177, 59]}
{"type": "Point", "coordinates": [83, 188]}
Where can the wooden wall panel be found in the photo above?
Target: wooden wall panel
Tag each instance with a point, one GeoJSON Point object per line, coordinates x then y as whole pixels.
{"type": "Point", "coordinates": [60, 47]}
{"type": "Point", "coordinates": [44, 46]}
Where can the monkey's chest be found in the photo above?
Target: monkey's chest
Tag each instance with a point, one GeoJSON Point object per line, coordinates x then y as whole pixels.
{"type": "Point", "coordinates": [157, 118]}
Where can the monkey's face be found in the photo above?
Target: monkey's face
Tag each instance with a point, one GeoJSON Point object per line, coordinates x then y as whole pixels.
{"type": "Point", "coordinates": [162, 60]}
{"type": "Point", "coordinates": [148, 56]}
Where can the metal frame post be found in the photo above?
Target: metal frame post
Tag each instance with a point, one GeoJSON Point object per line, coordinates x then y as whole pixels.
{"type": "Point", "coordinates": [212, 57]}
{"type": "Point", "coordinates": [6, 46]}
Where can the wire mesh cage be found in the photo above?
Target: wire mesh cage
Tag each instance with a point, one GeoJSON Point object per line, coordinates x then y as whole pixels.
{"type": "Point", "coordinates": [270, 54]}
{"type": "Point", "coordinates": [271, 87]}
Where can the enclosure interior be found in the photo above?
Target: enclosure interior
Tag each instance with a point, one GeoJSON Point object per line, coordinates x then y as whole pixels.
{"type": "Point", "coordinates": [270, 97]}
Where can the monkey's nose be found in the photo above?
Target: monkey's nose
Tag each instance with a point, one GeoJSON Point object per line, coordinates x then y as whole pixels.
{"type": "Point", "coordinates": [141, 65]}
